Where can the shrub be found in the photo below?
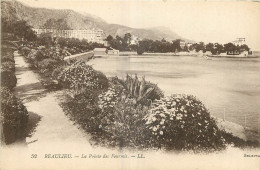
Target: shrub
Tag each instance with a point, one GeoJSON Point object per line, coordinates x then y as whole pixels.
{"type": "Point", "coordinates": [47, 63]}
{"type": "Point", "coordinates": [39, 55]}
{"type": "Point", "coordinates": [7, 58]}
{"type": "Point", "coordinates": [140, 50]}
{"type": "Point", "coordinates": [8, 79]}
{"type": "Point", "coordinates": [25, 51]}
{"type": "Point", "coordinates": [183, 123]}
{"type": "Point", "coordinates": [8, 66]}
{"type": "Point", "coordinates": [83, 109]}
{"type": "Point", "coordinates": [80, 76]}
{"type": "Point", "coordinates": [121, 121]}
{"type": "Point", "coordinates": [57, 71]}
{"type": "Point", "coordinates": [14, 116]}
{"type": "Point", "coordinates": [144, 92]}
{"type": "Point", "coordinates": [46, 66]}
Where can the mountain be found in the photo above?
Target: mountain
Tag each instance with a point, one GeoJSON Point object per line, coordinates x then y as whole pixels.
{"type": "Point", "coordinates": [36, 17]}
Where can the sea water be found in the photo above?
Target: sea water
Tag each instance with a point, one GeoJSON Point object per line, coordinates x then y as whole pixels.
{"type": "Point", "coordinates": [229, 87]}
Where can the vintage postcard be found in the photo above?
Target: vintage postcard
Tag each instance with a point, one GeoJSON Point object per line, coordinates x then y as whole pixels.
{"type": "Point", "coordinates": [129, 84]}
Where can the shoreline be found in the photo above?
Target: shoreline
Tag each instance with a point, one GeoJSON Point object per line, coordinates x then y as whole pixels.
{"type": "Point", "coordinates": [130, 53]}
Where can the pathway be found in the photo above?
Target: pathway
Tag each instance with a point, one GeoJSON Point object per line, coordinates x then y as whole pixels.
{"type": "Point", "coordinates": [47, 118]}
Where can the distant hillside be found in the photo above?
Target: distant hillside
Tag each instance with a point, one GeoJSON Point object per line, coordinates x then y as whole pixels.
{"type": "Point", "coordinates": [36, 17]}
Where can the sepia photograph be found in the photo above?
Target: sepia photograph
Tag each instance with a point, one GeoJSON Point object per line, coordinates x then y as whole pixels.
{"type": "Point", "coordinates": [128, 84]}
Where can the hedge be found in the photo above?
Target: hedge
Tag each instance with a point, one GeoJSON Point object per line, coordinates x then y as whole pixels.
{"type": "Point", "coordinates": [14, 114]}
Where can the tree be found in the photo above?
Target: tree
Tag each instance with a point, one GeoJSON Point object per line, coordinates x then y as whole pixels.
{"type": "Point", "coordinates": [230, 47]}
{"type": "Point", "coordinates": [20, 29]}
{"type": "Point", "coordinates": [140, 50]}
{"type": "Point", "coordinates": [209, 47]}
{"type": "Point", "coordinates": [127, 39]}
{"type": "Point", "coordinates": [218, 48]}
{"type": "Point", "coordinates": [176, 45]}
{"type": "Point", "coordinates": [109, 38]}
{"type": "Point", "coordinates": [45, 39]}
{"type": "Point", "coordinates": [244, 47]}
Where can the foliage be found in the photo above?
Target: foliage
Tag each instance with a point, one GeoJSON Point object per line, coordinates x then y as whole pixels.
{"type": "Point", "coordinates": [8, 78]}
{"type": "Point", "coordinates": [121, 120]}
{"type": "Point", "coordinates": [80, 76]}
{"type": "Point", "coordinates": [144, 92]}
{"type": "Point", "coordinates": [183, 123]}
{"type": "Point", "coordinates": [25, 51]}
{"type": "Point", "coordinates": [18, 28]}
{"type": "Point", "coordinates": [13, 115]}
{"type": "Point", "coordinates": [8, 66]}
{"type": "Point", "coordinates": [84, 110]}
{"type": "Point", "coordinates": [47, 65]}
{"type": "Point", "coordinates": [140, 50]}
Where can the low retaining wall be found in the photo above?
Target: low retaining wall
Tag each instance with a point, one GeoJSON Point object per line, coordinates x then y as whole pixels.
{"type": "Point", "coordinates": [82, 56]}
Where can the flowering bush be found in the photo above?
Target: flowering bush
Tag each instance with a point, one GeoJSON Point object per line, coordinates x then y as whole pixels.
{"type": "Point", "coordinates": [182, 123]}
{"type": "Point", "coordinates": [47, 65]}
{"type": "Point", "coordinates": [109, 98]}
{"type": "Point", "coordinates": [80, 76]}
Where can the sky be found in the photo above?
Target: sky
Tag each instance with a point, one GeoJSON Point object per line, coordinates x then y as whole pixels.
{"type": "Point", "coordinates": [207, 21]}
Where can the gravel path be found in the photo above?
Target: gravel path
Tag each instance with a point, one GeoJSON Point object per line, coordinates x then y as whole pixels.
{"type": "Point", "coordinates": [47, 118]}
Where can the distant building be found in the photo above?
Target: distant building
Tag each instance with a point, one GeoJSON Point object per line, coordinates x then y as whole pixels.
{"type": "Point", "coordinates": [182, 44]}
{"type": "Point", "coordinates": [239, 41]}
{"type": "Point", "coordinates": [112, 51]}
{"type": "Point", "coordinates": [100, 52]}
{"type": "Point", "coordinates": [91, 35]}
{"type": "Point", "coordinates": [188, 45]}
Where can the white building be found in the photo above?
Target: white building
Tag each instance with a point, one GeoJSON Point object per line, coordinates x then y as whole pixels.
{"type": "Point", "coordinates": [182, 44]}
{"type": "Point", "coordinates": [91, 35]}
{"type": "Point", "coordinates": [240, 41]}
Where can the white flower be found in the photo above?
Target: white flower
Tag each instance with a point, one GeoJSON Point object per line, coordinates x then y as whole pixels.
{"type": "Point", "coordinates": [179, 116]}
{"type": "Point", "coordinates": [154, 129]}
{"type": "Point", "coordinates": [162, 115]}
{"type": "Point", "coordinates": [161, 132]}
{"type": "Point", "coordinates": [173, 104]}
{"type": "Point", "coordinates": [173, 109]}
{"type": "Point", "coordinates": [162, 122]}
{"type": "Point", "coordinates": [100, 126]}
